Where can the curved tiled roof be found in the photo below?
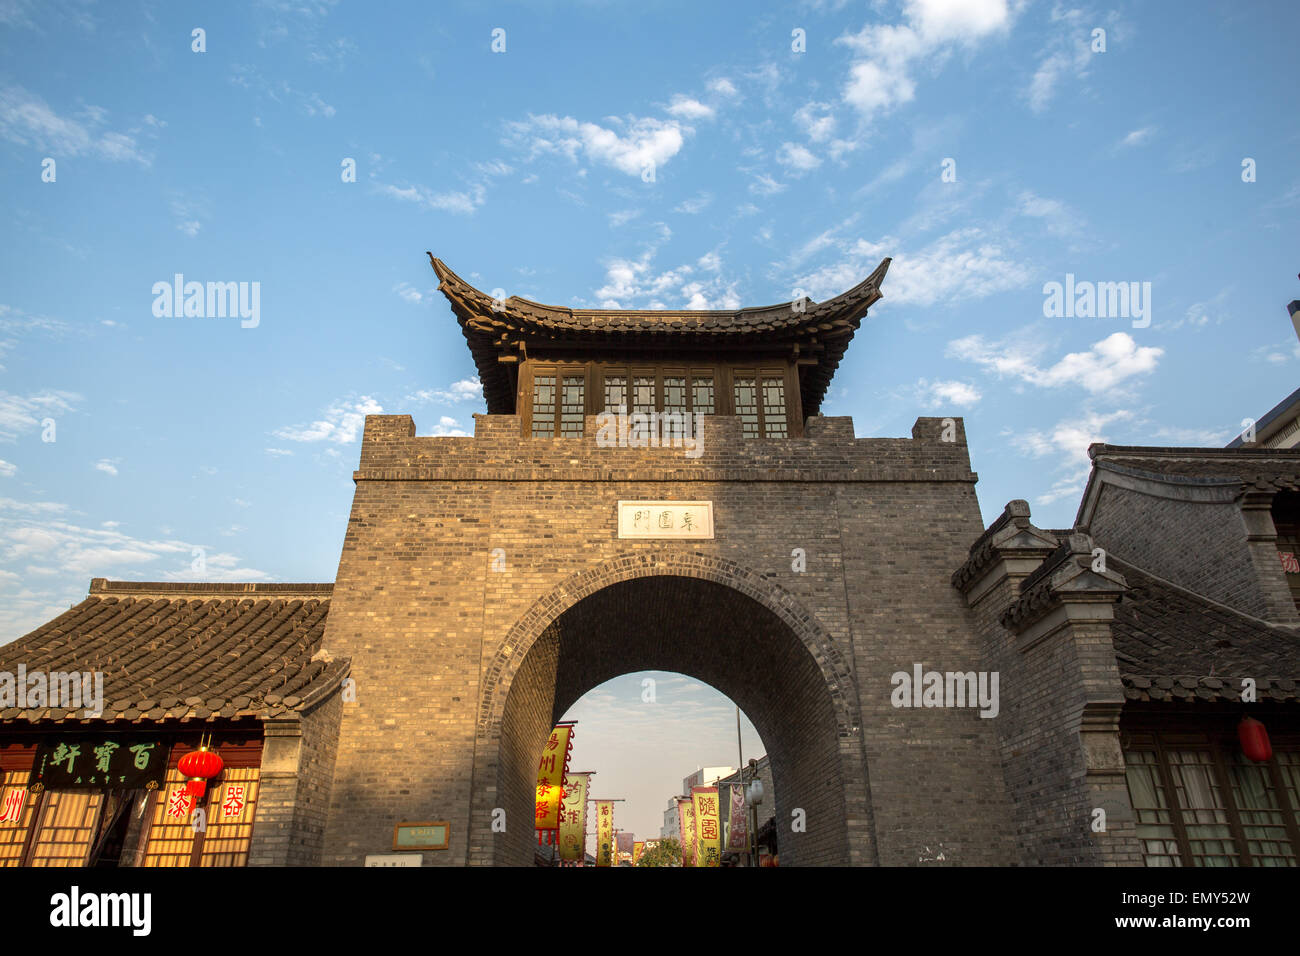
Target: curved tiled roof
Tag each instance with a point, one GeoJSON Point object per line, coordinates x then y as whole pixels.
{"type": "Point", "coordinates": [1262, 468]}
{"type": "Point", "coordinates": [819, 330]}
{"type": "Point", "coordinates": [187, 651]}
{"type": "Point", "coordinates": [1172, 644]}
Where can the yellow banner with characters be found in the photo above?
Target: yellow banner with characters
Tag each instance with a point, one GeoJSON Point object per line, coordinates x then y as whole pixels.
{"type": "Point", "coordinates": [573, 818]}
{"type": "Point", "coordinates": [638, 846]}
{"type": "Point", "coordinates": [550, 781]}
{"type": "Point", "coordinates": [604, 832]}
{"type": "Point", "coordinates": [708, 826]}
{"type": "Point", "coordinates": [686, 814]}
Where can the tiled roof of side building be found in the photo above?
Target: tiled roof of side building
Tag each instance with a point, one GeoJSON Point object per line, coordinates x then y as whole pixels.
{"type": "Point", "coordinates": [1173, 644]}
{"type": "Point", "coordinates": [187, 651]}
{"type": "Point", "coordinates": [1277, 468]}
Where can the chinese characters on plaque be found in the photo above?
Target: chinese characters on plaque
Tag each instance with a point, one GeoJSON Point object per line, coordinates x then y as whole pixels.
{"type": "Point", "coordinates": [665, 519]}
{"type": "Point", "coordinates": [107, 761]}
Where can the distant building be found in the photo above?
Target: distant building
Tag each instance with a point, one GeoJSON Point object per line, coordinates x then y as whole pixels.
{"type": "Point", "coordinates": [1279, 428]}
{"type": "Point", "coordinates": [705, 777]}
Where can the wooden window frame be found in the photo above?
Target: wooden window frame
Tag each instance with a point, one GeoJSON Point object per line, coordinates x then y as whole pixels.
{"type": "Point", "coordinates": [723, 376]}
{"type": "Point", "coordinates": [1220, 746]}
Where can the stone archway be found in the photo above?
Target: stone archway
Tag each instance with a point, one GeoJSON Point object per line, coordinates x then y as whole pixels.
{"type": "Point", "coordinates": [713, 620]}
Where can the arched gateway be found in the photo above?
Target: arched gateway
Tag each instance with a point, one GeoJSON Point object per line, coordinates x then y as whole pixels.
{"type": "Point", "coordinates": [658, 490]}
{"type": "Point", "coordinates": [747, 637]}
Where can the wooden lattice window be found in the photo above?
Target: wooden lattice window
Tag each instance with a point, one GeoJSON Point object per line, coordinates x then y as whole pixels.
{"type": "Point", "coordinates": [544, 405]}
{"type": "Point", "coordinates": [227, 838]}
{"type": "Point", "coordinates": [230, 819]}
{"type": "Point", "coordinates": [774, 413]}
{"type": "Point", "coordinates": [68, 823]}
{"type": "Point", "coordinates": [1201, 802]}
{"type": "Point", "coordinates": [745, 398]}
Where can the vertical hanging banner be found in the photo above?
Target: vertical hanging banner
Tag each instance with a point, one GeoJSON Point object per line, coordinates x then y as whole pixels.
{"type": "Point", "coordinates": [708, 826]}
{"type": "Point", "coordinates": [738, 819]}
{"type": "Point", "coordinates": [638, 848]}
{"type": "Point", "coordinates": [550, 782]}
{"type": "Point", "coordinates": [604, 832]}
{"type": "Point", "coordinates": [686, 814]}
{"type": "Point", "coordinates": [573, 818]}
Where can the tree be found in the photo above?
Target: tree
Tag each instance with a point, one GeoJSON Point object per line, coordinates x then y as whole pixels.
{"type": "Point", "coordinates": [667, 852]}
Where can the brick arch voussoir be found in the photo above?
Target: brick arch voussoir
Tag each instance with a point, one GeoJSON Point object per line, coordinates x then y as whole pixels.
{"type": "Point", "coordinates": [582, 584]}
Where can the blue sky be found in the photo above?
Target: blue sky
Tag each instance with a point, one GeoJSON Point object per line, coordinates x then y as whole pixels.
{"type": "Point", "coordinates": [529, 170]}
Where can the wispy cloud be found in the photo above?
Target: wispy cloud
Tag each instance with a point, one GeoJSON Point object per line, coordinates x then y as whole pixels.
{"type": "Point", "coordinates": [341, 424]}
{"type": "Point", "coordinates": [26, 119]}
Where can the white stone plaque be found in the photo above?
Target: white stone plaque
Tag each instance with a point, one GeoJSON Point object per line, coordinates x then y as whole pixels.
{"type": "Point", "coordinates": [665, 519]}
{"type": "Point", "coordinates": [394, 859]}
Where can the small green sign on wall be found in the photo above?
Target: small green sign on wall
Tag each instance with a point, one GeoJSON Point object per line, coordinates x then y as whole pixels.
{"type": "Point", "coordinates": [421, 836]}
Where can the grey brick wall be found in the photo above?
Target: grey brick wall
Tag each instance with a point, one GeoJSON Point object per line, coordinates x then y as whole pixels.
{"type": "Point", "coordinates": [455, 694]}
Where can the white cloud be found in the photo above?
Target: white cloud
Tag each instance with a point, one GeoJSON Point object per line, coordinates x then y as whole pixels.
{"type": "Point", "coordinates": [965, 264]}
{"type": "Point", "coordinates": [633, 283]}
{"type": "Point", "coordinates": [1068, 52]}
{"type": "Point", "coordinates": [796, 157]}
{"type": "Point", "coordinates": [26, 119]}
{"type": "Point", "coordinates": [765, 185]}
{"type": "Point", "coordinates": [7, 469]}
{"type": "Point", "coordinates": [448, 427]}
{"type": "Point", "coordinates": [1059, 218]}
{"type": "Point", "coordinates": [942, 394]}
{"type": "Point", "coordinates": [408, 293]}
{"type": "Point", "coordinates": [1068, 440]}
{"type": "Point", "coordinates": [882, 78]}
{"type": "Point", "coordinates": [636, 144]}
{"type": "Point", "coordinates": [465, 390]}
{"type": "Point", "coordinates": [1137, 137]}
{"type": "Point", "coordinates": [622, 217]}
{"type": "Point", "coordinates": [342, 424]}
{"type": "Point", "coordinates": [1101, 368]}
{"type": "Point", "coordinates": [694, 205]}
{"type": "Point", "coordinates": [107, 465]}
{"type": "Point", "coordinates": [462, 201]}
{"type": "Point", "coordinates": [690, 109]}
{"type": "Point", "coordinates": [722, 86]}
{"type": "Point", "coordinates": [22, 413]}
{"type": "Point", "coordinates": [816, 121]}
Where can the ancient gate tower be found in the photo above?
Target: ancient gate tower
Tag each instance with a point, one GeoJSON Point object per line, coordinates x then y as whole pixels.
{"type": "Point", "coordinates": [722, 528]}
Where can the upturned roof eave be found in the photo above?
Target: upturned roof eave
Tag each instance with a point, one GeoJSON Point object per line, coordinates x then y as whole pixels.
{"type": "Point", "coordinates": [473, 306]}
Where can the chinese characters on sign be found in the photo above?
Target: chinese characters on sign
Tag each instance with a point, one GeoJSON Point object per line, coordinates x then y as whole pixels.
{"type": "Point", "coordinates": [573, 818]}
{"type": "Point", "coordinates": [550, 782]}
{"type": "Point", "coordinates": [1289, 563]}
{"type": "Point", "coordinates": [121, 763]}
{"type": "Point", "coordinates": [179, 804]}
{"type": "Point", "coordinates": [738, 832]}
{"type": "Point", "coordinates": [232, 807]}
{"type": "Point", "coordinates": [12, 809]}
{"type": "Point", "coordinates": [708, 826]}
{"type": "Point", "coordinates": [665, 519]}
{"type": "Point", "coordinates": [604, 833]}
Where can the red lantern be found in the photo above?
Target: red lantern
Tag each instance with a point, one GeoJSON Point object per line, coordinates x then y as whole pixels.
{"type": "Point", "coordinates": [200, 766]}
{"type": "Point", "coordinates": [1254, 740]}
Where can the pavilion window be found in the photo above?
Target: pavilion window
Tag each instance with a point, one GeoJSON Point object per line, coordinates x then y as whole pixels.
{"type": "Point", "coordinates": [675, 405]}
{"type": "Point", "coordinates": [774, 416]}
{"type": "Point", "coordinates": [643, 393]}
{"type": "Point", "coordinates": [702, 401]}
{"type": "Point", "coordinates": [573, 405]}
{"type": "Point", "coordinates": [616, 394]}
{"type": "Point", "coordinates": [544, 405]}
{"type": "Point", "coordinates": [745, 393]}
